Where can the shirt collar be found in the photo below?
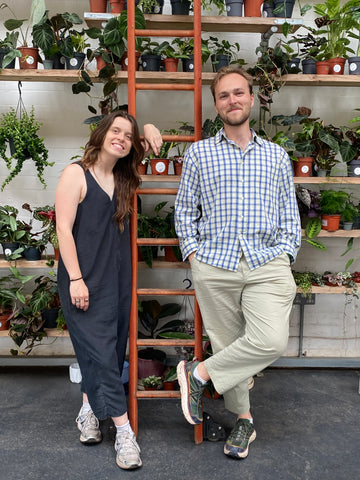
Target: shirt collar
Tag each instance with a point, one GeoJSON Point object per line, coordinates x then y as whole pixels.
{"type": "Point", "coordinates": [220, 135]}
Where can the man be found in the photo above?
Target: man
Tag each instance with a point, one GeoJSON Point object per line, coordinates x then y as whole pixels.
{"type": "Point", "coordinates": [238, 223]}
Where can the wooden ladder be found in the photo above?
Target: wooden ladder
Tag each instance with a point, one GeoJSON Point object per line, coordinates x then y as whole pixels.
{"type": "Point", "coordinates": [133, 87]}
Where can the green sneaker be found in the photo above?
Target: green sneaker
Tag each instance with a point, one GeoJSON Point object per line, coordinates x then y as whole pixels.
{"type": "Point", "coordinates": [237, 443]}
{"type": "Point", "coordinates": [191, 391]}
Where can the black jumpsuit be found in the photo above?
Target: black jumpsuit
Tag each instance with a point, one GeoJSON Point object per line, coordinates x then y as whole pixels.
{"type": "Point", "coordinates": [99, 335]}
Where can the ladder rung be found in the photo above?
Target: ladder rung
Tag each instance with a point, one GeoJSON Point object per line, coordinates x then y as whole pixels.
{"type": "Point", "coordinates": [157, 191]}
{"type": "Point", "coordinates": [165, 291]}
{"type": "Point", "coordinates": [158, 241]}
{"type": "Point", "coordinates": [166, 342]}
{"type": "Point", "coordinates": [165, 86]}
{"type": "Point", "coordinates": [178, 138]}
{"type": "Point", "coordinates": [158, 394]}
{"type": "Point", "coordinates": [148, 32]}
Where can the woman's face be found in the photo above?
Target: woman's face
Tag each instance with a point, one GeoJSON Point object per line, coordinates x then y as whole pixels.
{"type": "Point", "coordinates": [118, 139]}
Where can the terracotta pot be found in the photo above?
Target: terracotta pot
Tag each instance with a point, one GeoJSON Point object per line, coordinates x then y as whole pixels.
{"type": "Point", "coordinates": [159, 166]}
{"type": "Point", "coordinates": [177, 167]}
{"type": "Point", "coordinates": [331, 223]}
{"type": "Point", "coordinates": [100, 62]}
{"type": "Point", "coordinates": [302, 168]}
{"type": "Point", "coordinates": [29, 59]}
{"type": "Point", "coordinates": [56, 253]}
{"type": "Point", "coordinates": [252, 8]}
{"type": "Point", "coordinates": [124, 61]}
{"type": "Point", "coordinates": [322, 68]}
{"type": "Point", "coordinates": [337, 66]}
{"type": "Point", "coordinates": [171, 64]}
{"type": "Point", "coordinates": [4, 321]}
{"type": "Point", "coordinates": [116, 6]}
{"type": "Point", "coordinates": [98, 6]}
{"type": "Point", "coordinates": [169, 254]}
{"type": "Point", "coordinates": [142, 168]}
{"type": "Point", "coordinates": [169, 385]}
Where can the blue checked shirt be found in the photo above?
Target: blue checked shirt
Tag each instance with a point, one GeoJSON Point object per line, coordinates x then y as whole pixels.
{"type": "Point", "coordinates": [232, 203]}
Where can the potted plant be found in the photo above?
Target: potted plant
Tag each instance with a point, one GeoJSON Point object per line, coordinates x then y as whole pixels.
{"type": "Point", "coordinates": [332, 205]}
{"type": "Point", "coordinates": [7, 46]}
{"type": "Point", "coordinates": [348, 215]}
{"type": "Point", "coordinates": [186, 50]}
{"type": "Point", "coordinates": [52, 36]}
{"type": "Point", "coordinates": [354, 62]}
{"type": "Point", "coordinates": [26, 327]}
{"type": "Point", "coordinates": [20, 132]}
{"type": "Point", "coordinates": [79, 43]}
{"type": "Point", "coordinates": [310, 47]}
{"type": "Point", "coordinates": [336, 20]}
{"type": "Point", "coordinates": [152, 382]}
{"type": "Point", "coordinates": [151, 52]}
{"type": "Point", "coordinates": [12, 231]}
{"type": "Point", "coordinates": [171, 56]}
{"type": "Point", "coordinates": [151, 6]}
{"type": "Point", "coordinates": [45, 301]}
{"type": "Point", "coordinates": [160, 163]}
{"type": "Point", "coordinates": [46, 215]}
{"type": "Point", "coordinates": [170, 378]}
{"type": "Point", "coordinates": [222, 52]}
{"type": "Point", "coordinates": [28, 55]}
{"type": "Point", "coordinates": [151, 361]}
{"type": "Point", "coordinates": [11, 295]}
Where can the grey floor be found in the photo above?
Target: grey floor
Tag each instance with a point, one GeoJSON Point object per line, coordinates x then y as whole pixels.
{"type": "Point", "coordinates": [307, 424]}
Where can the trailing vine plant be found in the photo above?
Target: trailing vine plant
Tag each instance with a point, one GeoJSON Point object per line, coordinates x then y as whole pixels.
{"type": "Point", "coordinates": [20, 133]}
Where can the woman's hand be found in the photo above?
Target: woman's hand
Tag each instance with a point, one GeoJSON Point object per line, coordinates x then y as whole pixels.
{"type": "Point", "coordinates": [79, 294]}
{"type": "Point", "coordinates": [153, 138]}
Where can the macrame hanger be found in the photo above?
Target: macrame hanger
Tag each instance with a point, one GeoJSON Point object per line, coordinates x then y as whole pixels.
{"type": "Point", "coordinates": [20, 106]}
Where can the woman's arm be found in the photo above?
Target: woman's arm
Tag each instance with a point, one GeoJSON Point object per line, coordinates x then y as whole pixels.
{"type": "Point", "coordinates": [153, 138]}
{"type": "Point", "coordinates": [70, 191]}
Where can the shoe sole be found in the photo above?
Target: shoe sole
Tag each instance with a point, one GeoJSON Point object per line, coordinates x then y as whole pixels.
{"type": "Point", "coordinates": [127, 467]}
{"type": "Point", "coordinates": [184, 392]}
{"type": "Point", "coordinates": [240, 455]}
{"type": "Point", "coordinates": [90, 441]}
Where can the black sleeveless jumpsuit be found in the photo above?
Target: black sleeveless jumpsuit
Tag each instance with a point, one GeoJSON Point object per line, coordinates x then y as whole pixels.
{"type": "Point", "coordinates": [99, 335]}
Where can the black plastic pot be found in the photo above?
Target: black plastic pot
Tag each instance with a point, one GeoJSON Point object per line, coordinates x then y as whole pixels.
{"type": "Point", "coordinates": [354, 168]}
{"type": "Point", "coordinates": [12, 149]}
{"type": "Point", "coordinates": [151, 63]}
{"type": "Point", "coordinates": [50, 317]}
{"type": "Point", "coordinates": [9, 247]}
{"type": "Point", "coordinates": [293, 65]}
{"type": "Point", "coordinates": [354, 65]}
{"type": "Point", "coordinates": [234, 8]}
{"type": "Point", "coordinates": [3, 52]}
{"type": "Point", "coordinates": [76, 62]}
{"type": "Point", "coordinates": [288, 8]}
{"type": "Point", "coordinates": [188, 64]}
{"type": "Point", "coordinates": [156, 9]}
{"type": "Point", "coordinates": [309, 66]}
{"type": "Point", "coordinates": [219, 61]}
{"type": "Point", "coordinates": [32, 253]}
{"type": "Point", "coordinates": [180, 7]}
{"type": "Point", "coordinates": [267, 10]}
{"type": "Point", "coordinates": [59, 61]}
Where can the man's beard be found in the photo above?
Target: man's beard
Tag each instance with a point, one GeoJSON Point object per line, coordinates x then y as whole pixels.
{"type": "Point", "coordinates": [236, 122]}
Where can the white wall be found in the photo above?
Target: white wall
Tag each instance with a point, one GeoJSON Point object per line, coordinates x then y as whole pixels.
{"type": "Point", "coordinates": [328, 330]}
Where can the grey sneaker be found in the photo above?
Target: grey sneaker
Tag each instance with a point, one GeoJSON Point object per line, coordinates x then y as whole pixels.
{"type": "Point", "coordinates": [127, 451]}
{"type": "Point", "coordinates": [88, 425]}
{"type": "Point", "coordinates": [191, 392]}
{"type": "Point", "coordinates": [237, 443]}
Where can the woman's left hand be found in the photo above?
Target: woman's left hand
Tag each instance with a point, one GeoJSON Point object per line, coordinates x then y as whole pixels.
{"type": "Point", "coordinates": [153, 138]}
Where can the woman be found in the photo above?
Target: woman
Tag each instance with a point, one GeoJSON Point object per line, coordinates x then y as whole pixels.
{"type": "Point", "coordinates": [93, 200]}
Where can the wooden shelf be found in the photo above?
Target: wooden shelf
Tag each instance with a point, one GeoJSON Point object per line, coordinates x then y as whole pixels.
{"type": "Point", "coordinates": [328, 180]}
{"type": "Point", "coordinates": [51, 332]}
{"type": "Point", "coordinates": [72, 76]}
{"type": "Point", "coordinates": [22, 263]}
{"type": "Point", "coordinates": [328, 290]}
{"type": "Point", "coordinates": [337, 234]}
{"type": "Point", "coordinates": [221, 23]}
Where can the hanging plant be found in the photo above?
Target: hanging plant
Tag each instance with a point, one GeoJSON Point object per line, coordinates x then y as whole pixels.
{"type": "Point", "coordinates": [21, 133]}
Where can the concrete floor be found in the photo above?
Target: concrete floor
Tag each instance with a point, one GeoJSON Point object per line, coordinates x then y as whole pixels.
{"type": "Point", "coordinates": [307, 424]}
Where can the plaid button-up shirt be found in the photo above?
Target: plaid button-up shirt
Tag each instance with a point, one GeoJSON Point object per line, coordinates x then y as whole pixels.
{"type": "Point", "coordinates": [232, 203]}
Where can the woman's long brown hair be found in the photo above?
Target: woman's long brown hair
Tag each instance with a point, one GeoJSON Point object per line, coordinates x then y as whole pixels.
{"type": "Point", "coordinates": [126, 176]}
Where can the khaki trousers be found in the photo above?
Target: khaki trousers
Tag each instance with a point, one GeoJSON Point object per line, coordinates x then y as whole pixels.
{"type": "Point", "coordinates": [246, 316]}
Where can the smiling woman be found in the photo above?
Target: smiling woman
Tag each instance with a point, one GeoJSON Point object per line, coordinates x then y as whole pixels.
{"type": "Point", "coordinates": [93, 201]}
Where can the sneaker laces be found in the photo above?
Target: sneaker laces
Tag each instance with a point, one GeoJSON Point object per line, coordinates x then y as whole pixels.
{"type": "Point", "coordinates": [126, 443]}
{"type": "Point", "coordinates": [88, 420]}
{"type": "Point", "coordinates": [241, 432]}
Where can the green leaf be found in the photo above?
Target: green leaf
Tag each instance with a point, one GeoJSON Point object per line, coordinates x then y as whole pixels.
{"type": "Point", "coordinates": [80, 86]}
{"type": "Point", "coordinates": [313, 227]}
{"type": "Point", "coordinates": [13, 24]}
{"type": "Point", "coordinates": [86, 77]}
{"type": "Point", "coordinates": [315, 243]}
{"type": "Point", "coordinates": [92, 109]}
{"type": "Point", "coordinates": [44, 36]}
{"type": "Point", "coordinates": [349, 263]}
{"type": "Point", "coordinates": [109, 87]}
{"type": "Point", "coordinates": [349, 246]}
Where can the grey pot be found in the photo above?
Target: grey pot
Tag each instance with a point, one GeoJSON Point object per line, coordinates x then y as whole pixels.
{"type": "Point", "coordinates": [354, 168]}
{"type": "Point", "coordinates": [234, 8]}
{"type": "Point", "coordinates": [288, 8]}
{"type": "Point", "coordinates": [354, 65]}
{"type": "Point", "coordinates": [347, 225]}
{"type": "Point", "coordinates": [309, 66]}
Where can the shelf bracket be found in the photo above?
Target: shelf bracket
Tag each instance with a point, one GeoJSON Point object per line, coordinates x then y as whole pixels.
{"type": "Point", "coordinates": [303, 300]}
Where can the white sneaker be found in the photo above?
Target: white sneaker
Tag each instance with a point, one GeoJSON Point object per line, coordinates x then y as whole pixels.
{"type": "Point", "coordinates": [127, 451]}
{"type": "Point", "coordinates": [88, 425]}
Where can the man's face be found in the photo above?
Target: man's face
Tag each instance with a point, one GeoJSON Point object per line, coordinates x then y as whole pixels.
{"type": "Point", "coordinates": [233, 100]}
